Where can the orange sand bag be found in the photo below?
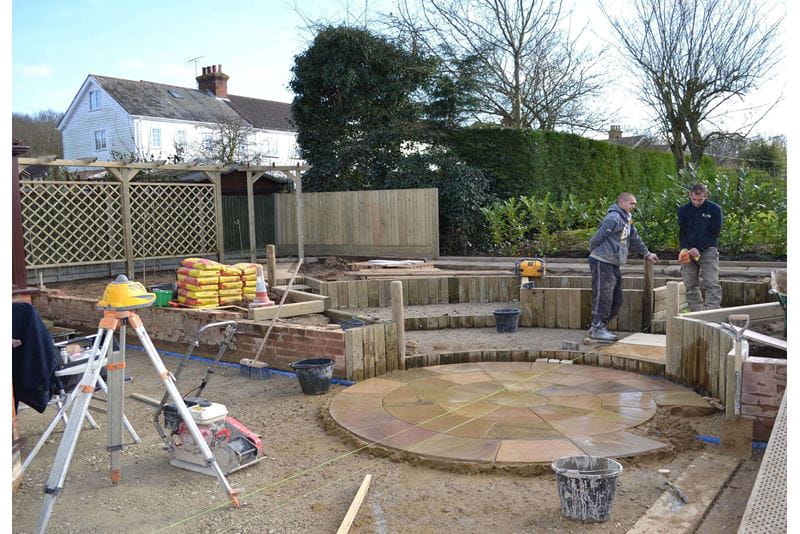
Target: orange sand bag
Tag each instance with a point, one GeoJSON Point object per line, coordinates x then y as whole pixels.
{"type": "Point", "coordinates": [197, 273]}
{"type": "Point", "coordinates": [197, 294]}
{"type": "Point", "coordinates": [247, 268]}
{"type": "Point", "coordinates": [198, 281]}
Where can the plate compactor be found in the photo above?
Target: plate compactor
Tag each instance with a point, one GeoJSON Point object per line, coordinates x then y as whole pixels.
{"type": "Point", "coordinates": [233, 444]}
{"type": "Point", "coordinates": [527, 270]}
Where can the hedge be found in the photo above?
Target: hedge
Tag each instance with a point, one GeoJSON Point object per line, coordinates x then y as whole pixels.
{"type": "Point", "coordinates": [535, 162]}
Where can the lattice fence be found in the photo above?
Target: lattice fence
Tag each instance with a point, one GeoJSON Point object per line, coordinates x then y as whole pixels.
{"type": "Point", "coordinates": [70, 223]}
{"type": "Point", "coordinates": [172, 220]}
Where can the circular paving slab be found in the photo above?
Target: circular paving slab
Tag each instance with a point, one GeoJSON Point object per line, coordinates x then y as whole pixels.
{"type": "Point", "coordinates": [508, 412]}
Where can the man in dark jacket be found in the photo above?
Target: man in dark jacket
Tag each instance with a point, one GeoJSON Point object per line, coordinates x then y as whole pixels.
{"type": "Point", "coordinates": [608, 251]}
{"type": "Point", "coordinates": [700, 222]}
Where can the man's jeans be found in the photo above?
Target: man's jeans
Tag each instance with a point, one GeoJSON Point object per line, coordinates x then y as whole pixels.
{"type": "Point", "coordinates": [606, 291]}
{"type": "Point", "coordinates": [708, 268]}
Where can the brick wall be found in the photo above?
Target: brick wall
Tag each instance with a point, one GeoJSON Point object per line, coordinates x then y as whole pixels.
{"type": "Point", "coordinates": [763, 385]}
{"type": "Point", "coordinates": [173, 328]}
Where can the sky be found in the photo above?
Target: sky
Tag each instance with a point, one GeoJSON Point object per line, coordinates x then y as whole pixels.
{"type": "Point", "coordinates": [254, 41]}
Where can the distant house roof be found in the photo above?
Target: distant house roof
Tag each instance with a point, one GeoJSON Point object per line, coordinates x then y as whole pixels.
{"type": "Point", "coordinates": [639, 141]}
{"type": "Point", "coordinates": [152, 99]}
{"type": "Point", "coordinates": [265, 114]}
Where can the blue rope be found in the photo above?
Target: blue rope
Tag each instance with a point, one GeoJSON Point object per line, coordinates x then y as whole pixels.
{"type": "Point", "coordinates": [339, 381]}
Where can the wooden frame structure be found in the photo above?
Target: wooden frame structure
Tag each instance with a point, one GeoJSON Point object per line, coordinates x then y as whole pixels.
{"type": "Point", "coordinates": [125, 171]}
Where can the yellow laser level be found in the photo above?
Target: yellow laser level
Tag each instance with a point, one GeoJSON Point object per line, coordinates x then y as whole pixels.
{"type": "Point", "coordinates": [123, 294]}
{"type": "Point", "coordinates": [527, 269]}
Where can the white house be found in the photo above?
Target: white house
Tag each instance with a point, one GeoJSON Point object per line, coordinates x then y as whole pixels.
{"type": "Point", "coordinates": [111, 118]}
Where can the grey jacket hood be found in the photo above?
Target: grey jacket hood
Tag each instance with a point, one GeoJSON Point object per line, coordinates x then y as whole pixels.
{"type": "Point", "coordinates": [615, 237]}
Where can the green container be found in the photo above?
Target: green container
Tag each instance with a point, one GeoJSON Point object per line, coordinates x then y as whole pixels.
{"type": "Point", "coordinates": [163, 297]}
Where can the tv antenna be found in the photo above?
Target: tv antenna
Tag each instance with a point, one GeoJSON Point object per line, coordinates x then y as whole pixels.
{"type": "Point", "coordinates": [194, 59]}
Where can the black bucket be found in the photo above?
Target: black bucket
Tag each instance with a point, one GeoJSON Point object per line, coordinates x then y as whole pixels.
{"type": "Point", "coordinates": [586, 486]}
{"type": "Point", "coordinates": [314, 375]}
{"type": "Point", "coordinates": [506, 319]}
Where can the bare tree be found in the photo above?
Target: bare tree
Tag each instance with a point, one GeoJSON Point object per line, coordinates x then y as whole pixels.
{"type": "Point", "coordinates": [39, 132]}
{"type": "Point", "coordinates": [695, 57]}
{"type": "Point", "coordinates": [228, 140]}
{"type": "Point", "coordinates": [530, 73]}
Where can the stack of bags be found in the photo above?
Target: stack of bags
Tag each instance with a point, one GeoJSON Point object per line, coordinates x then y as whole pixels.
{"type": "Point", "coordinates": [198, 283]}
{"type": "Point", "coordinates": [248, 278]}
{"type": "Point", "coordinates": [230, 284]}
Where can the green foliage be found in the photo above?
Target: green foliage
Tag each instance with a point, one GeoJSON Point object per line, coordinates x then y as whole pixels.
{"type": "Point", "coordinates": [535, 162]}
{"type": "Point", "coordinates": [766, 155]}
{"type": "Point", "coordinates": [353, 107]}
{"type": "Point", "coordinates": [754, 217]}
{"type": "Point", "coordinates": [462, 191]}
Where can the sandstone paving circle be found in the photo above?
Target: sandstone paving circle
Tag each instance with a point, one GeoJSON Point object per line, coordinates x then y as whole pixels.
{"type": "Point", "coordinates": [508, 412]}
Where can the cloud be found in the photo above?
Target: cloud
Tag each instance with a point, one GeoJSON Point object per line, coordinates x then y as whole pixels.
{"type": "Point", "coordinates": [37, 71]}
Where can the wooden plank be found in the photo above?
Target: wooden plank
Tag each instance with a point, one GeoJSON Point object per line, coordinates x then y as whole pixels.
{"type": "Point", "coordinates": [562, 308]}
{"type": "Point", "coordinates": [483, 289]}
{"type": "Point", "coordinates": [433, 291]}
{"type": "Point", "coordinates": [574, 309]}
{"type": "Point", "coordinates": [550, 307]}
{"type": "Point", "coordinates": [463, 290]}
{"type": "Point", "coordinates": [526, 308]}
{"type": "Point", "coordinates": [298, 296]}
{"type": "Point", "coordinates": [350, 516]}
{"type": "Point", "coordinates": [372, 293]}
{"type": "Point", "coordinates": [637, 311]}
{"type": "Point", "coordinates": [383, 293]}
{"type": "Point", "coordinates": [352, 294]}
{"type": "Point", "coordinates": [332, 292]}
{"type": "Point", "coordinates": [473, 289]}
{"type": "Point", "coordinates": [538, 307]}
{"type": "Point", "coordinates": [288, 310]}
{"type": "Point", "coordinates": [493, 289]}
{"type": "Point", "coordinates": [586, 308]}
{"type": "Point", "coordinates": [452, 290]}
{"type": "Point", "coordinates": [363, 293]}
{"type": "Point", "coordinates": [357, 353]}
{"type": "Point", "coordinates": [413, 291]}
{"type": "Point", "coordinates": [444, 293]}
{"type": "Point", "coordinates": [392, 352]}
{"type": "Point", "coordinates": [422, 292]}
{"type": "Point", "coordinates": [369, 351]}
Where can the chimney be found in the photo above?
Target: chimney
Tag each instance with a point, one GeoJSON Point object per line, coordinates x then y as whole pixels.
{"type": "Point", "coordinates": [214, 81]}
{"type": "Point", "coordinates": [614, 133]}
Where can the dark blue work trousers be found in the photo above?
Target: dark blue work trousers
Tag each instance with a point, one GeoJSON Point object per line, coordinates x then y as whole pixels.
{"type": "Point", "coordinates": [606, 291]}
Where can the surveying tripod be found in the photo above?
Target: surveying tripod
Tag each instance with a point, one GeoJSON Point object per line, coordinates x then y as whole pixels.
{"type": "Point", "coordinates": [113, 318]}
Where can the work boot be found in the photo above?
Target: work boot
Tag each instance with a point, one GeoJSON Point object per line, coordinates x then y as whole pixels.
{"type": "Point", "coordinates": [601, 333]}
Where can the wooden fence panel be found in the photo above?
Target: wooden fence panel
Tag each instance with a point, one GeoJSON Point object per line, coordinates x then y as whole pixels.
{"type": "Point", "coordinates": [392, 223]}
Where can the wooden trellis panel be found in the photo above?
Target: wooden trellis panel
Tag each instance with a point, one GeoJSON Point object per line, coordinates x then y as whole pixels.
{"type": "Point", "coordinates": [70, 223]}
{"type": "Point", "coordinates": [172, 220]}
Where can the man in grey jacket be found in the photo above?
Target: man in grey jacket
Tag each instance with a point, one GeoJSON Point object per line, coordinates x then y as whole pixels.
{"type": "Point", "coordinates": [608, 251]}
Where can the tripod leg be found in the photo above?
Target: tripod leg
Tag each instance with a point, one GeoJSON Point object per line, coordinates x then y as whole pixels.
{"type": "Point", "coordinates": [169, 383]}
{"type": "Point", "coordinates": [128, 426]}
{"type": "Point", "coordinates": [58, 473]}
{"type": "Point", "coordinates": [114, 394]}
{"type": "Point", "coordinates": [52, 426]}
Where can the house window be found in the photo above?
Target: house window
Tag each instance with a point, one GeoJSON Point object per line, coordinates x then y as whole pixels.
{"type": "Point", "coordinates": [155, 137]}
{"type": "Point", "coordinates": [100, 140]}
{"type": "Point", "coordinates": [207, 141]}
{"type": "Point", "coordinates": [94, 100]}
{"type": "Point", "coordinates": [180, 138]}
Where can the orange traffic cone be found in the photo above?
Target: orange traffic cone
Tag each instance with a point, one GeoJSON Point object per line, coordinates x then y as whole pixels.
{"type": "Point", "coordinates": [262, 298]}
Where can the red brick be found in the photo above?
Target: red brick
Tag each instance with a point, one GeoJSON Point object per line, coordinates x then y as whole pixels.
{"type": "Point", "coordinates": [759, 411]}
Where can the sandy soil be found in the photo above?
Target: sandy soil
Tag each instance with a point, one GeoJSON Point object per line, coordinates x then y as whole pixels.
{"type": "Point", "coordinates": [308, 478]}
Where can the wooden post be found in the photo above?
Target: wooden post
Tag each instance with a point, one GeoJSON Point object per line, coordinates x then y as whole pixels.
{"type": "Point", "coordinates": [298, 182]}
{"type": "Point", "coordinates": [216, 179]}
{"type": "Point", "coordinates": [647, 295]}
{"type": "Point", "coordinates": [125, 176]}
{"type": "Point", "coordinates": [398, 315]}
{"type": "Point", "coordinates": [19, 277]}
{"type": "Point", "coordinates": [251, 216]}
{"type": "Point", "coordinates": [673, 337]}
{"type": "Point", "coordinates": [271, 266]}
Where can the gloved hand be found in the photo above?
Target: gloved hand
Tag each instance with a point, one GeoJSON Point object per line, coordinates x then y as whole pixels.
{"type": "Point", "coordinates": [683, 257]}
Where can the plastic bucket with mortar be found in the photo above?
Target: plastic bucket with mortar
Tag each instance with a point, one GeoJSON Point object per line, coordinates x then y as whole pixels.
{"type": "Point", "coordinates": [314, 375]}
{"type": "Point", "coordinates": [586, 486]}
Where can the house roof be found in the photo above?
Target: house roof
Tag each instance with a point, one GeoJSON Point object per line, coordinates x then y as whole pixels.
{"type": "Point", "coordinates": [152, 99]}
{"type": "Point", "coordinates": [639, 141]}
{"type": "Point", "coordinates": [265, 114]}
